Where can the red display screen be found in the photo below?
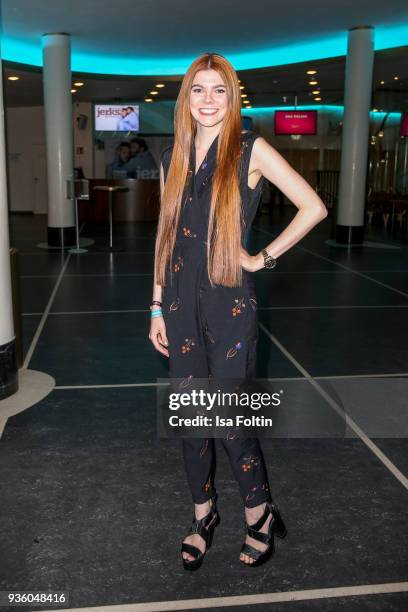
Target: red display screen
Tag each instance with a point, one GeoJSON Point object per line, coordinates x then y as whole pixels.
{"type": "Point", "coordinates": [295, 122]}
{"type": "Point", "coordinates": [404, 124]}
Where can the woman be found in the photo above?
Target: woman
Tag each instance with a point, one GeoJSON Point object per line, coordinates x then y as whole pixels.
{"type": "Point", "coordinates": [204, 309]}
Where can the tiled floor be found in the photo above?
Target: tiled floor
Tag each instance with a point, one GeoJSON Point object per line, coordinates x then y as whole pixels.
{"type": "Point", "coordinates": [95, 504]}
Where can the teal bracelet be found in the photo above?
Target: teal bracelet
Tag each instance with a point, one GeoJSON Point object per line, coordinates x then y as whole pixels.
{"type": "Point", "coordinates": [156, 313]}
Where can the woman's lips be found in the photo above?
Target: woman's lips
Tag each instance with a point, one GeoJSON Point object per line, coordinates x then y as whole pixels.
{"type": "Point", "coordinates": [207, 112]}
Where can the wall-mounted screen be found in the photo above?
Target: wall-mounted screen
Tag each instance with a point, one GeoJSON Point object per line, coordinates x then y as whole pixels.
{"type": "Point", "coordinates": [404, 124]}
{"type": "Point", "coordinates": [295, 122]}
{"type": "Point", "coordinates": [117, 117]}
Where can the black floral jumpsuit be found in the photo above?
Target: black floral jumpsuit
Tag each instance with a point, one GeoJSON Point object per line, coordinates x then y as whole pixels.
{"type": "Point", "coordinates": [213, 331]}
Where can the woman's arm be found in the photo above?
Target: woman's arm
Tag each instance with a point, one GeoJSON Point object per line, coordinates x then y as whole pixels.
{"type": "Point", "coordinates": [157, 333]}
{"type": "Point", "coordinates": [266, 161]}
{"type": "Point", "coordinates": [157, 289]}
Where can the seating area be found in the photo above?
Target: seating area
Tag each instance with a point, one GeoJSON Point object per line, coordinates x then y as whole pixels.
{"type": "Point", "coordinates": [388, 210]}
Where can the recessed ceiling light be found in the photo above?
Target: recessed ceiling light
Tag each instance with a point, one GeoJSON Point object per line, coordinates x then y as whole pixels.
{"type": "Point", "coordinates": [154, 93]}
{"type": "Point", "coordinates": [78, 84]}
{"type": "Point", "coordinates": [396, 78]}
{"type": "Point", "coordinates": [148, 99]}
{"type": "Point", "coordinates": [313, 82]}
{"type": "Point", "coordinates": [249, 106]}
{"type": "Point", "coordinates": [311, 71]}
{"type": "Point", "coordinates": [73, 90]}
{"type": "Point", "coordinates": [317, 99]}
{"type": "Point", "coordinates": [315, 92]}
{"type": "Point", "coordinates": [159, 85]}
{"type": "Point", "coordinates": [375, 110]}
{"type": "Point", "coordinates": [13, 78]}
{"type": "Point", "coordinates": [242, 86]}
{"type": "Point", "coordinates": [244, 95]}
{"type": "Point", "coordinates": [382, 82]}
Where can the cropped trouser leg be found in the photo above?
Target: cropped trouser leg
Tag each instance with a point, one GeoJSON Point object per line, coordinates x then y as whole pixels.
{"type": "Point", "coordinates": [224, 362]}
{"type": "Point", "coordinates": [223, 348]}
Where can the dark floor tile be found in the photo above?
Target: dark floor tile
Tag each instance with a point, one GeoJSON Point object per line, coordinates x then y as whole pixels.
{"type": "Point", "coordinates": [342, 341]}
{"type": "Point", "coordinates": [29, 325]}
{"type": "Point", "coordinates": [41, 263]}
{"type": "Point", "coordinates": [397, 279]}
{"type": "Point", "coordinates": [98, 349]}
{"type": "Point", "coordinates": [35, 293]}
{"type": "Point", "coordinates": [396, 449]}
{"type": "Point", "coordinates": [323, 290]}
{"type": "Point", "coordinates": [103, 293]}
{"type": "Point", "coordinates": [110, 263]}
{"type": "Point", "coordinates": [390, 602]}
{"type": "Point", "coordinates": [87, 469]}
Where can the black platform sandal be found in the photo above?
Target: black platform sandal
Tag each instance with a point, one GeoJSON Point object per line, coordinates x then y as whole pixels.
{"type": "Point", "coordinates": [205, 528]}
{"type": "Point", "coordinates": [276, 525]}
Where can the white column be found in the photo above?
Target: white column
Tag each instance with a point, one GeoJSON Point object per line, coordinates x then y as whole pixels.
{"type": "Point", "coordinates": [355, 137]}
{"type": "Point", "coordinates": [8, 362]}
{"type": "Point", "coordinates": [59, 137]}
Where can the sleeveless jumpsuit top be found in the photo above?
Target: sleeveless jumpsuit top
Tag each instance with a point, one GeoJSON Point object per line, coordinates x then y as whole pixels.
{"type": "Point", "coordinates": [212, 331]}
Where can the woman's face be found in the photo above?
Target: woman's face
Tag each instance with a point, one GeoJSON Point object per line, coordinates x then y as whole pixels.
{"type": "Point", "coordinates": [208, 98]}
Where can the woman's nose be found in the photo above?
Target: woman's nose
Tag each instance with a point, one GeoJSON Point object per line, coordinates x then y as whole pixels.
{"type": "Point", "coordinates": [208, 97]}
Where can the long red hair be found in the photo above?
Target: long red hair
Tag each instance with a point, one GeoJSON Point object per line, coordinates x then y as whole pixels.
{"type": "Point", "coordinates": [225, 219]}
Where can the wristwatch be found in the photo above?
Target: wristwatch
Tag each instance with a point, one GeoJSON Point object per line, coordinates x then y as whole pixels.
{"type": "Point", "coordinates": [269, 261]}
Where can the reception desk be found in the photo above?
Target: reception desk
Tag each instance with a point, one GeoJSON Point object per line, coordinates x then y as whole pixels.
{"type": "Point", "coordinates": [141, 201]}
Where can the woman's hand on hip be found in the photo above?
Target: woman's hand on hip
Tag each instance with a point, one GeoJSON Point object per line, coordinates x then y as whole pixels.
{"type": "Point", "coordinates": [252, 263]}
{"type": "Point", "coordinates": [158, 335]}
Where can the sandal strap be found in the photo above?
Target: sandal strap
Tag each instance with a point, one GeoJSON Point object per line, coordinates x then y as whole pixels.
{"type": "Point", "coordinates": [200, 529]}
{"type": "Point", "coordinates": [258, 535]}
{"type": "Point", "coordinates": [259, 523]}
{"type": "Point", "coordinates": [252, 552]}
{"type": "Point", "coordinates": [191, 550]}
{"type": "Point", "coordinates": [201, 526]}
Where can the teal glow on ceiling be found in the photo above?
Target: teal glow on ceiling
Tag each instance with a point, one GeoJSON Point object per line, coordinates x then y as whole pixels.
{"type": "Point", "coordinates": [385, 37]}
{"type": "Point", "coordinates": [332, 108]}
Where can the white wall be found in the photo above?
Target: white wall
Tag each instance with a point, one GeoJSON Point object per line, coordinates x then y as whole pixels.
{"type": "Point", "coordinates": [83, 139]}
{"type": "Point", "coordinates": [27, 170]}
{"type": "Point", "coordinates": [25, 132]}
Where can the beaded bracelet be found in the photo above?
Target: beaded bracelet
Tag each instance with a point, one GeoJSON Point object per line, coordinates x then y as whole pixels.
{"type": "Point", "coordinates": [156, 313]}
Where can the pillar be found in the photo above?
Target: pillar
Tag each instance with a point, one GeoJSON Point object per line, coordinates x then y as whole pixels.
{"type": "Point", "coordinates": [8, 361]}
{"type": "Point", "coordinates": [59, 137]}
{"type": "Point", "coordinates": [355, 137]}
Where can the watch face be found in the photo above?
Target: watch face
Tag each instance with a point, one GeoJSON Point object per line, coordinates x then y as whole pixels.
{"type": "Point", "coordinates": [269, 261]}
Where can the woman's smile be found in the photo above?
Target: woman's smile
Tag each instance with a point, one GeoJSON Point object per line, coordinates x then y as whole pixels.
{"type": "Point", "coordinates": [208, 111]}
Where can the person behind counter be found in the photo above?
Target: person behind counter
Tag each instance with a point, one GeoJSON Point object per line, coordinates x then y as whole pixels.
{"type": "Point", "coordinates": [143, 163]}
{"type": "Point", "coordinates": [122, 167]}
